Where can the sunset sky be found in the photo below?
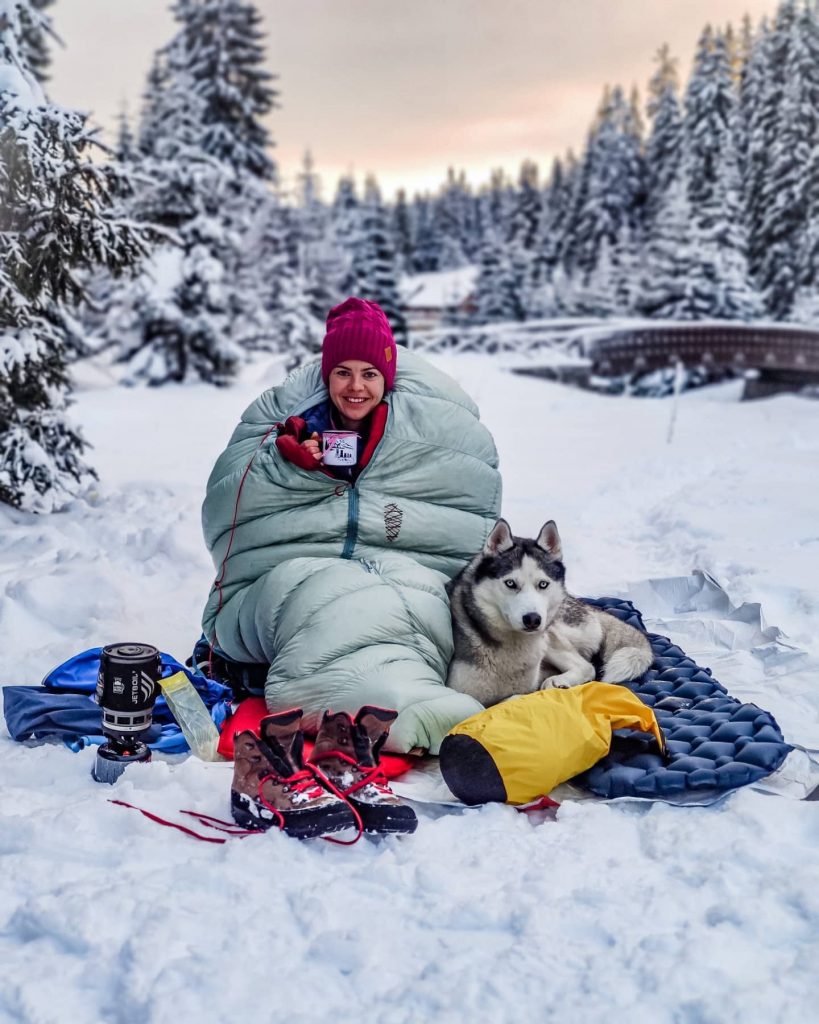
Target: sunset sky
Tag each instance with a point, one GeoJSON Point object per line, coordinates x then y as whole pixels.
{"type": "Point", "coordinates": [406, 88]}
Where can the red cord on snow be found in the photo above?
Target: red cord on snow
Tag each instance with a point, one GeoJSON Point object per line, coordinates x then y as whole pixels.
{"type": "Point", "coordinates": [306, 781]}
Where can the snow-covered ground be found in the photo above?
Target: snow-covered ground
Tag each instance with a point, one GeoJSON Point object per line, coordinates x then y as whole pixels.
{"type": "Point", "coordinates": [625, 911]}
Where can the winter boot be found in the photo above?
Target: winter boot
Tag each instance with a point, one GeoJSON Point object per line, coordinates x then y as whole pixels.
{"type": "Point", "coordinates": [272, 787]}
{"type": "Point", "coordinates": [346, 751]}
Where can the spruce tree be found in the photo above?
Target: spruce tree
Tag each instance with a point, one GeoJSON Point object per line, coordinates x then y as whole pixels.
{"type": "Point", "coordinates": [496, 298]}
{"type": "Point", "coordinates": [577, 191]}
{"type": "Point", "coordinates": [218, 52]}
{"type": "Point", "coordinates": [748, 126]}
{"type": "Point", "coordinates": [426, 248]}
{"type": "Point", "coordinates": [55, 225]}
{"type": "Point", "coordinates": [402, 232]}
{"type": "Point", "coordinates": [285, 291]}
{"type": "Point", "coordinates": [523, 241]}
{"type": "Point", "coordinates": [497, 201]}
{"type": "Point", "coordinates": [667, 286]}
{"type": "Point", "coordinates": [664, 145]}
{"type": "Point", "coordinates": [770, 61]}
{"type": "Point", "coordinates": [452, 220]}
{"type": "Point", "coordinates": [612, 210]}
{"type": "Point", "coordinates": [35, 31]}
{"type": "Point", "coordinates": [555, 210]}
{"type": "Point", "coordinates": [319, 264]}
{"type": "Point", "coordinates": [375, 262]}
{"type": "Point", "coordinates": [125, 150]}
{"type": "Point", "coordinates": [719, 259]}
{"type": "Point", "coordinates": [347, 234]}
{"type": "Point", "coordinates": [206, 174]}
{"type": "Point", "coordinates": [787, 214]}
{"type": "Point", "coordinates": [807, 296]}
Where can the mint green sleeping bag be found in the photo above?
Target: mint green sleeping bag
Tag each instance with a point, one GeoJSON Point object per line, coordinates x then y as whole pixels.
{"type": "Point", "coordinates": [321, 586]}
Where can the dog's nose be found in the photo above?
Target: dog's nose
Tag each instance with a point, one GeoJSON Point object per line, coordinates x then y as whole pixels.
{"type": "Point", "coordinates": [531, 620]}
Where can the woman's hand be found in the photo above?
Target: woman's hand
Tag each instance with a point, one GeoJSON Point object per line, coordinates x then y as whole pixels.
{"type": "Point", "coordinates": [313, 445]}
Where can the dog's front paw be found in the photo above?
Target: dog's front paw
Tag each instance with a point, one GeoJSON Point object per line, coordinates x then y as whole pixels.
{"type": "Point", "coordinates": [553, 683]}
{"type": "Point", "coordinates": [557, 683]}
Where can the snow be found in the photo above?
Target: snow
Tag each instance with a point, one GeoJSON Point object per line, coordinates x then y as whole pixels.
{"type": "Point", "coordinates": [24, 90]}
{"type": "Point", "coordinates": [439, 289]}
{"type": "Point", "coordinates": [606, 911]}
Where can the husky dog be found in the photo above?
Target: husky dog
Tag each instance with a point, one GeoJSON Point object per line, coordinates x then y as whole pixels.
{"type": "Point", "coordinates": [517, 630]}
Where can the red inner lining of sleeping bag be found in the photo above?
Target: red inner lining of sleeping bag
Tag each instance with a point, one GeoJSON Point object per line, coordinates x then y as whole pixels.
{"type": "Point", "coordinates": [249, 714]}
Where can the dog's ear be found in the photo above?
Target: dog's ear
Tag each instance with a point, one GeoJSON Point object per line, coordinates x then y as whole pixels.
{"type": "Point", "coordinates": [549, 540]}
{"type": "Point", "coordinates": [500, 539]}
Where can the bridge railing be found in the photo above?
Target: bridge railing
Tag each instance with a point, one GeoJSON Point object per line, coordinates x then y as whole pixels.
{"type": "Point", "coordinates": [612, 348]}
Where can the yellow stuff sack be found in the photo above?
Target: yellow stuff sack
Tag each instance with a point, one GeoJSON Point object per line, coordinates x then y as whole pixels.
{"type": "Point", "coordinates": [521, 749]}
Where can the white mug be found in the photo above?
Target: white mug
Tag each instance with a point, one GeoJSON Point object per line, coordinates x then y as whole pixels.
{"type": "Point", "coordinates": [340, 447]}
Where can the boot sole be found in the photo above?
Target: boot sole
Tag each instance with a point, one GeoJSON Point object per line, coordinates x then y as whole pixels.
{"type": "Point", "coordinates": [380, 821]}
{"type": "Point", "coordinates": [299, 824]}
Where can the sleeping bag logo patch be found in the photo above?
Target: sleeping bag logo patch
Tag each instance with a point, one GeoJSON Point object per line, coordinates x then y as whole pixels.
{"type": "Point", "coordinates": [392, 521]}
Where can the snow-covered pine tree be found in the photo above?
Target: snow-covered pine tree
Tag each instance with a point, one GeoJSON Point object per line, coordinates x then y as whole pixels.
{"type": "Point", "coordinates": [497, 201]}
{"type": "Point", "coordinates": [613, 206]}
{"type": "Point", "coordinates": [666, 285]}
{"type": "Point", "coordinates": [35, 30]}
{"type": "Point", "coordinates": [426, 248]}
{"type": "Point", "coordinates": [710, 105]}
{"type": "Point", "coordinates": [525, 219]}
{"type": "Point", "coordinates": [555, 209]}
{"type": "Point", "coordinates": [664, 144]}
{"type": "Point", "coordinates": [524, 236]}
{"type": "Point", "coordinates": [285, 292]}
{"type": "Point", "coordinates": [577, 193]}
{"type": "Point", "coordinates": [125, 150]}
{"type": "Point", "coordinates": [319, 264]}
{"type": "Point", "coordinates": [496, 299]}
{"type": "Point", "coordinates": [767, 72]}
{"type": "Point", "coordinates": [207, 172]}
{"type": "Point", "coordinates": [785, 218]}
{"type": "Point", "coordinates": [719, 268]}
{"type": "Point", "coordinates": [743, 48]}
{"type": "Point", "coordinates": [452, 221]}
{"type": "Point", "coordinates": [311, 212]}
{"type": "Point", "coordinates": [374, 261]}
{"type": "Point", "coordinates": [734, 49]}
{"type": "Point", "coordinates": [219, 49]}
{"type": "Point", "coordinates": [402, 232]}
{"type": "Point", "coordinates": [55, 223]}
{"type": "Point", "coordinates": [806, 299]}
{"type": "Point", "coordinates": [347, 234]}
{"type": "Point", "coordinates": [749, 107]}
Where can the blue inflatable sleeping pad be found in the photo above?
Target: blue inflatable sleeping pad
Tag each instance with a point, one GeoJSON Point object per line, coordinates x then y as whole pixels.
{"type": "Point", "coordinates": [715, 743]}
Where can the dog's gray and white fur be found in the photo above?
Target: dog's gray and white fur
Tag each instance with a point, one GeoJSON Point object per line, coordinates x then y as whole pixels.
{"type": "Point", "coordinates": [517, 629]}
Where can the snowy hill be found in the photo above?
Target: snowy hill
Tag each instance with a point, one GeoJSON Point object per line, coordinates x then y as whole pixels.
{"type": "Point", "coordinates": [612, 911]}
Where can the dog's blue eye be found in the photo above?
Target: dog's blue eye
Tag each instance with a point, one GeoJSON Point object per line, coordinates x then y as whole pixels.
{"type": "Point", "coordinates": [511, 584]}
{"type": "Point", "coordinates": [543, 584]}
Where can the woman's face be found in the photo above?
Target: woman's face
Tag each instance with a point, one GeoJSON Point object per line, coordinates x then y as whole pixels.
{"type": "Point", "coordinates": [356, 388]}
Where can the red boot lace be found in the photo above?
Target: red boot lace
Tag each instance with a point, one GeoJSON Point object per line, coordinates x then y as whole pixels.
{"type": "Point", "coordinates": [372, 776]}
{"type": "Point", "coordinates": [303, 781]}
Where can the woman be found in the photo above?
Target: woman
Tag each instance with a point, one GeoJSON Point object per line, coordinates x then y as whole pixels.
{"type": "Point", "coordinates": [335, 577]}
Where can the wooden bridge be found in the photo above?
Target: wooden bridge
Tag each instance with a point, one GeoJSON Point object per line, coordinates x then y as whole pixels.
{"type": "Point", "coordinates": [784, 357]}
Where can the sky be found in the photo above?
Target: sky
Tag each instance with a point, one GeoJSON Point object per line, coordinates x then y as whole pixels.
{"type": "Point", "coordinates": [404, 89]}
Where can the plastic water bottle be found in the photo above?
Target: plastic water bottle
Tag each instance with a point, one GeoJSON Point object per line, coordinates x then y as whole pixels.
{"type": "Point", "coordinates": [189, 710]}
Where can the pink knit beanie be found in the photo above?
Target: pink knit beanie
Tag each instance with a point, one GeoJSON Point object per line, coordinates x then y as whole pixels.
{"type": "Point", "coordinates": [359, 329]}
